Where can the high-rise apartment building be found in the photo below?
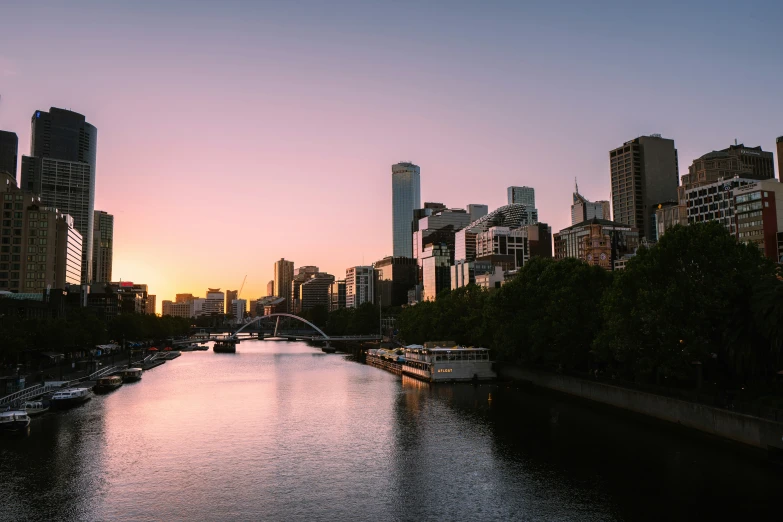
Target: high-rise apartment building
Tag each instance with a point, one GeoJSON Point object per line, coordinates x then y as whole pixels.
{"type": "Point", "coordinates": [9, 151]}
{"type": "Point", "coordinates": [358, 286]}
{"type": "Point", "coordinates": [214, 302]}
{"type": "Point", "coordinates": [583, 210]}
{"type": "Point", "coordinates": [270, 288]}
{"type": "Point", "coordinates": [61, 168]}
{"type": "Point", "coordinates": [176, 309]}
{"type": "Point", "coordinates": [151, 304]}
{"type": "Point", "coordinates": [39, 246]}
{"type": "Point", "coordinates": [406, 197]}
{"type": "Point", "coordinates": [238, 308]}
{"type": "Point", "coordinates": [284, 274]}
{"type": "Point", "coordinates": [644, 173]}
{"type": "Point", "coordinates": [524, 196]}
{"type": "Point", "coordinates": [231, 295]}
{"type": "Point", "coordinates": [102, 246]}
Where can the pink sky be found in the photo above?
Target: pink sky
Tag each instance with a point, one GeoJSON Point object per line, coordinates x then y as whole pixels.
{"type": "Point", "coordinates": [230, 138]}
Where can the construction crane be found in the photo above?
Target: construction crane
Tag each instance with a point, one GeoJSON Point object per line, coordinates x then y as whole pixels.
{"type": "Point", "coordinates": [241, 287]}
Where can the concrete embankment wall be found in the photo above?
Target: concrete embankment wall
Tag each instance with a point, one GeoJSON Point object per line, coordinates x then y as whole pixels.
{"type": "Point", "coordinates": [753, 431]}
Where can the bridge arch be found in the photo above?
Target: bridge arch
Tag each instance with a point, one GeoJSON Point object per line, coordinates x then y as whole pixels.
{"type": "Point", "coordinates": [280, 314]}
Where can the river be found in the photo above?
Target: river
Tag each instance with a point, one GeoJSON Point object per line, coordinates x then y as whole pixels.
{"type": "Point", "coordinates": [282, 431]}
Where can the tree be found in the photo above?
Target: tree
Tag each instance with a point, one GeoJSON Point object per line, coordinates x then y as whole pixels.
{"type": "Point", "coordinates": [681, 301]}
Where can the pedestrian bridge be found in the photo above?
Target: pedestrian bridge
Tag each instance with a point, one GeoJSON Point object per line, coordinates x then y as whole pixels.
{"type": "Point", "coordinates": [317, 336]}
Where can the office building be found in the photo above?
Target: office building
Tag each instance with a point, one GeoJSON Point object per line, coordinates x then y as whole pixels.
{"type": "Point", "coordinates": [439, 228]}
{"type": "Point", "coordinates": [183, 298]}
{"type": "Point", "coordinates": [61, 168]}
{"type": "Point", "coordinates": [463, 273]}
{"type": "Point", "coordinates": [428, 209]}
{"type": "Point", "coordinates": [9, 153]}
{"type": "Point", "coordinates": [597, 242]}
{"type": "Point", "coordinates": [151, 304]}
{"type": "Point", "coordinates": [714, 202]}
{"type": "Point", "coordinates": [524, 196]}
{"type": "Point", "coordinates": [102, 246]}
{"type": "Point", "coordinates": [337, 295]}
{"type": "Point", "coordinates": [315, 292]}
{"type": "Point", "coordinates": [406, 197]}
{"type": "Point", "coordinates": [359, 282]}
{"type": "Point", "coordinates": [735, 161]}
{"type": "Point", "coordinates": [394, 276]}
{"type": "Point", "coordinates": [111, 299]}
{"type": "Point", "coordinates": [214, 302]}
{"type": "Point", "coordinates": [176, 309]}
{"type": "Point", "coordinates": [270, 288]}
{"type": "Point", "coordinates": [779, 146]}
{"type": "Point", "coordinates": [758, 219]}
{"type": "Point", "coordinates": [239, 310]}
{"type": "Point", "coordinates": [436, 271]}
{"type": "Point", "coordinates": [477, 211]}
{"type": "Point", "coordinates": [643, 173]}
{"type": "Point", "coordinates": [284, 274]}
{"type": "Point", "coordinates": [231, 295]}
{"type": "Point", "coordinates": [584, 210]}
{"type": "Point", "coordinates": [301, 275]}
{"type": "Point", "coordinates": [39, 246]}
{"type": "Point", "coordinates": [491, 279]}
{"type": "Point", "coordinates": [511, 248]}
{"type": "Point", "coordinates": [669, 214]}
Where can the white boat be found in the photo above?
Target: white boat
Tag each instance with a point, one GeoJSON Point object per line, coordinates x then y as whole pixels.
{"type": "Point", "coordinates": [14, 421]}
{"type": "Point", "coordinates": [70, 397]}
{"type": "Point", "coordinates": [35, 407]}
{"type": "Point", "coordinates": [130, 374]}
{"type": "Point", "coordinates": [439, 364]}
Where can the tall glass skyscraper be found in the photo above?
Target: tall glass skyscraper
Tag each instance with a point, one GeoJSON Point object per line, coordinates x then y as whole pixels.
{"type": "Point", "coordinates": [406, 196]}
{"type": "Point", "coordinates": [61, 168]}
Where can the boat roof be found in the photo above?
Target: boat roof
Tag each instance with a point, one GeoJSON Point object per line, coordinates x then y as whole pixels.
{"type": "Point", "coordinates": [132, 370]}
{"type": "Point", "coordinates": [14, 413]}
{"type": "Point", "coordinates": [454, 349]}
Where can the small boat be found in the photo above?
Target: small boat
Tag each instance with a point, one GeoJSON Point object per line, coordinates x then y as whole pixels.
{"type": "Point", "coordinates": [201, 347]}
{"type": "Point", "coordinates": [131, 374]}
{"type": "Point", "coordinates": [35, 407]}
{"type": "Point", "coordinates": [70, 397]}
{"type": "Point", "coordinates": [225, 347]}
{"type": "Point", "coordinates": [14, 421]}
{"type": "Point", "coordinates": [107, 384]}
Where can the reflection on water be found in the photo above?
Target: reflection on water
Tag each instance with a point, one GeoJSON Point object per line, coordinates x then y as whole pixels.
{"type": "Point", "coordinates": [281, 431]}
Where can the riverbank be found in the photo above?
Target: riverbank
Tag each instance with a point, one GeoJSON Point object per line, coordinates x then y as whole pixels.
{"type": "Point", "coordinates": [744, 429]}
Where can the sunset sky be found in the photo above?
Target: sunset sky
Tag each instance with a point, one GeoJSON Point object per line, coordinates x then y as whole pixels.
{"type": "Point", "coordinates": [233, 133]}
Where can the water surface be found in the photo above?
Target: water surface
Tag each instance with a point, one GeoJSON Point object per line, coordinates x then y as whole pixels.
{"type": "Point", "coordinates": [282, 431]}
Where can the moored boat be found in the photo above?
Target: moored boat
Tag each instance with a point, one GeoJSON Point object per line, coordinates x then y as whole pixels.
{"type": "Point", "coordinates": [70, 397]}
{"type": "Point", "coordinates": [35, 407]}
{"type": "Point", "coordinates": [14, 421]}
{"type": "Point", "coordinates": [107, 384]}
{"type": "Point", "coordinates": [130, 374]}
{"type": "Point", "coordinates": [225, 347]}
{"type": "Point", "coordinates": [439, 364]}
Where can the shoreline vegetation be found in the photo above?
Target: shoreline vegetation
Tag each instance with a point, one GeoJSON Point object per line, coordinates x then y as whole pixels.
{"type": "Point", "coordinates": [697, 311]}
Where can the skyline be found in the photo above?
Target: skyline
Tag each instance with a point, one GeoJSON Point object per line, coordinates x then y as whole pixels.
{"type": "Point", "coordinates": [278, 113]}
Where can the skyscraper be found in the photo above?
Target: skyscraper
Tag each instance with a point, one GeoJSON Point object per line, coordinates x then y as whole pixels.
{"type": "Point", "coordinates": [102, 246]}
{"type": "Point", "coordinates": [151, 304]}
{"type": "Point", "coordinates": [644, 174]}
{"type": "Point", "coordinates": [284, 274]}
{"type": "Point", "coordinates": [524, 196]}
{"type": "Point", "coordinates": [9, 149]}
{"type": "Point", "coordinates": [477, 211]}
{"type": "Point", "coordinates": [584, 210]}
{"type": "Point", "coordinates": [406, 197]}
{"type": "Point", "coordinates": [270, 288]}
{"type": "Point", "coordinates": [61, 168]}
{"type": "Point", "coordinates": [231, 296]}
